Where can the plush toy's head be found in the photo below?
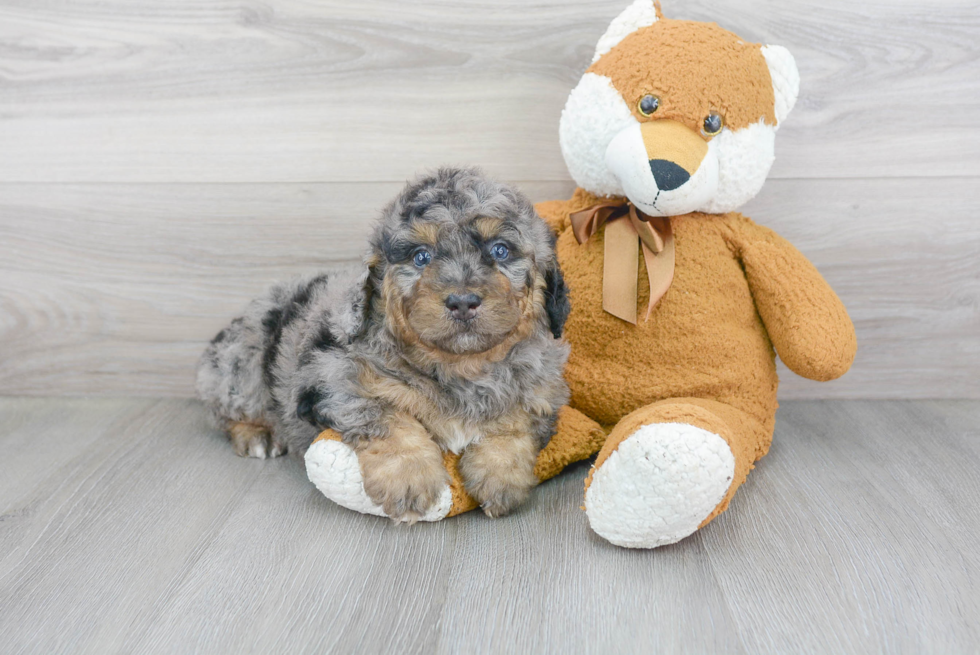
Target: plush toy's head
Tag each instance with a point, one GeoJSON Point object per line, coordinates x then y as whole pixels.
{"type": "Point", "coordinates": [677, 116]}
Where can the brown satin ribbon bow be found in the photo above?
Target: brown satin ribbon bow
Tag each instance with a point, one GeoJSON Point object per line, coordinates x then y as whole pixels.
{"type": "Point", "coordinates": [620, 268]}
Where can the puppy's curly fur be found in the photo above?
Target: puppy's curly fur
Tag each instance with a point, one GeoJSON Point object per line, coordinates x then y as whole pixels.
{"type": "Point", "coordinates": [447, 339]}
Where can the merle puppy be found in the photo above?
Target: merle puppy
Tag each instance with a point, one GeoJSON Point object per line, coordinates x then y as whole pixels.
{"type": "Point", "coordinates": [447, 339]}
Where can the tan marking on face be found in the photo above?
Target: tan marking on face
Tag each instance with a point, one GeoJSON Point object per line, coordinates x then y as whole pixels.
{"type": "Point", "coordinates": [427, 233]}
{"type": "Point", "coordinates": [674, 142]}
{"type": "Point", "coordinates": [530, 311]}
{"type": "Point", "coordinates": [425, 310]}
{"type": "Point", "coordinates": [487, 227]}
{"type": "Point", "coordinates": [694, 68]}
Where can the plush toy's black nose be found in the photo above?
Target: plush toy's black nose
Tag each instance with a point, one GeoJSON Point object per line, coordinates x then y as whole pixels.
{"type": "Point", "coordinates": [463, 308]}
{"type": "Point", "coordinates": [668, 175]}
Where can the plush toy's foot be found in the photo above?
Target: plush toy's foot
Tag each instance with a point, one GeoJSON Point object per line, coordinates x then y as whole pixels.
{"type": "Point", "coordinates": [659, 485]}
{"type": "Point", "coordinates": [335, 470]}
{"type": "Point", "coordinates": [669, 468]}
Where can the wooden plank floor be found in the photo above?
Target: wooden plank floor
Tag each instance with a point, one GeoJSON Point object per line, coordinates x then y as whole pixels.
{"type": "Point", "coordinates": [128, 526]}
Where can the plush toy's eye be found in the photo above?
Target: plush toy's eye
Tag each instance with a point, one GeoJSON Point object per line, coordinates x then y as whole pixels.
{"type": "Point", "coordinates": [648, 104]}
{"type": "Point", "coordinates": [422, 258]}
{"type": "Point", "coordinates": [713, 124]}
{"type": "Point", "coordinates": [500, 252]}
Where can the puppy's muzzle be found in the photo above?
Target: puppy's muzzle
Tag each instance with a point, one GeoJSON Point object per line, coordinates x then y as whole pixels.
{"type": "Point", "coordinates": [463, 307]}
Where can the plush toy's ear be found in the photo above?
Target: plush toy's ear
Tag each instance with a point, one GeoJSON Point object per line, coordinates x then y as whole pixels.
{"type": "Point", "coordinates": [785, 79]}
{"type": "Point", "coordinates": [556, 301]}
{"type": "Point", "coordinates": [642, 13]}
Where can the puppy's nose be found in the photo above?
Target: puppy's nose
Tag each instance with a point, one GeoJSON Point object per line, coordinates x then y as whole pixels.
{"type": "Point", "coordinates": [463, 307]}
{"type": "Point", "coordinates": [668, 175]}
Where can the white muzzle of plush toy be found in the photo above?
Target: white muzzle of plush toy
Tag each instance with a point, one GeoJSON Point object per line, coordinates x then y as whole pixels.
{"type": "Point", "coordinates": [665, 169]}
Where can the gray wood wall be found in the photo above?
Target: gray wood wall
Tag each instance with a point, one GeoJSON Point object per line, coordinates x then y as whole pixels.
{"type": "Point", "coordinates": [163, 162]}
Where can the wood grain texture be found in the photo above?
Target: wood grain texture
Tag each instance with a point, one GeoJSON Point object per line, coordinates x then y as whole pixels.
{"type": "Point", "coordinates": [856, 534]}
{"type": "Point", "coordinates": [901, 506]}
{"type": "Point", "coordinates": [902, 255]}
{"type": "Point", "coordinates": [164, 162]}
{"type": "Point", "coordinates": [115, 289]}
{"type": "Point", "coordinates": [294, 91]}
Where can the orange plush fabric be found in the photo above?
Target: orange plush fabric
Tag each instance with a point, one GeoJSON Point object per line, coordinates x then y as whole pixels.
{"type": "Point", "coordinates": [706, 355]}
{"type": "Point", "coordinates": [691, 390]}
{"type": "Point", "coordinates": [710, 69]}
{"type": "Point", "coordinates": [738, 288]}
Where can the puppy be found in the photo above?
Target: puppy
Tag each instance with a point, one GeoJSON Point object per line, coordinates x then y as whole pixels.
{"type": "Point", "coordinates": [447, 340]}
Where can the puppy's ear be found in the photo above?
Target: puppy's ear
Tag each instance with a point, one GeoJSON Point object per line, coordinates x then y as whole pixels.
{"type": "Point", "coordinates": [353, 316]}
{"type": "Point", "coordinates": [556, 301]}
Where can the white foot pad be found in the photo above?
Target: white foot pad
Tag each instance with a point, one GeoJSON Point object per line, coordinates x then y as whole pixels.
{"type": "Point", "coordinates": [659, 485]}
{"type": "Point", "coordinates": [333, 467]}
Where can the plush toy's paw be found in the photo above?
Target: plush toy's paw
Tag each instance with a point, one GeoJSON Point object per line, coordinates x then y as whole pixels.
{"type": "Point", "coordinates": [335, 470]}
{"type": "Point", "coordinates": [659, 485]}
{"type": "Point", "coordinates": [251, 440]}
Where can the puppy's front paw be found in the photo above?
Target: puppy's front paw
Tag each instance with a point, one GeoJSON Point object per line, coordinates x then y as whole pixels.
{"type": "Point", "coordinates": [250, 440]}
{"type": "Point", "coordinates": [499, 497]}
{"type": "Point", "coordinates": [499, 473]}
{"type": "Point", "coordinates": [405, 483]}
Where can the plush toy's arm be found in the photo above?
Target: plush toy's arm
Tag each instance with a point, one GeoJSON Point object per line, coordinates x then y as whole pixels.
{"type": "Point", "coordinates": [806, 321]}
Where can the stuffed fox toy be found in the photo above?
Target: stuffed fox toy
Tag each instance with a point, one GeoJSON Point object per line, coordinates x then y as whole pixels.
{"type": "Point", "coordinates": [679, 304]}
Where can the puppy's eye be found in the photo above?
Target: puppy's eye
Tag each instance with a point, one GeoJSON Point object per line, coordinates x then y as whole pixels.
{"type": "Point", "coordinates": [648, 104]}
{"type": "Point", "coordinates": [713, 124]}
{"type": "Point", "coordinates": [422, 258]}
{"type": "Point", "coordinates": [500, 252]}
